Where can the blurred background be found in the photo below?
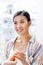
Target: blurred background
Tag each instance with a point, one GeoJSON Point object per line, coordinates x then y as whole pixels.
{"type": "Point", "coordinates": [8, 9]}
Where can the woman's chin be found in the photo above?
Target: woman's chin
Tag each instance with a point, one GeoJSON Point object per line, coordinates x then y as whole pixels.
{"type": "Point", "coordinates": [20, 33]}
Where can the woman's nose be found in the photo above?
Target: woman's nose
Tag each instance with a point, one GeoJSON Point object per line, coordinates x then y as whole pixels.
{"type": "Point", "coordinates": [18, 26]}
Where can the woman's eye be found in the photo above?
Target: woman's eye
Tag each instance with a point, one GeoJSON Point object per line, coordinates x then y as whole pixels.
{"type": "Point", "coordinates": [15, 23]}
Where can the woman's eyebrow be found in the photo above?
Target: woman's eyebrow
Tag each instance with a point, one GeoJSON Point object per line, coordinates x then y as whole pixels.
{"type": "Point", "coordinates": [15, 21]}
{"type": "Point", "coordinates": [19, 20]}
{"type": "Point", "coordinates": [22, 19]}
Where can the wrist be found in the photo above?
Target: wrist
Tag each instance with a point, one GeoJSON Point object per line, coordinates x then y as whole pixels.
{"type": "Point", "coordinates": [24, 62]}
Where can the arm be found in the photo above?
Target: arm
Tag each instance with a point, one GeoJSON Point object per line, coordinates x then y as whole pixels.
{"type": "Point", "coordinates": [34, 48]}
{"type": "Point", "coordinates": [7, 52]}
{"type": "Point", "coordinates": [31, 56]}
{"type": "Point", "coordinates": [25, 63]}
{"type": "Point", "coordinates": [8, 47]}
{"type": "Point", "coordinates": [33, 51]}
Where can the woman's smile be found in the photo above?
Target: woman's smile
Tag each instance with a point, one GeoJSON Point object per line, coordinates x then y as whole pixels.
{"type": "Point", "coordinates": [19, 30]}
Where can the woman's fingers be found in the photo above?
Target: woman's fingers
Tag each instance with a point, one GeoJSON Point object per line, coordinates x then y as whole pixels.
{"type": "Point", "coordinates": [20, 55]}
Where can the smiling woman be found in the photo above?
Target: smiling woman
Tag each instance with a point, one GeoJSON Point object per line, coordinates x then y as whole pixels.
{"type": "Point", "coordinates": [25, 48]}
{"type": "Point", "coordinates": [20, 22]}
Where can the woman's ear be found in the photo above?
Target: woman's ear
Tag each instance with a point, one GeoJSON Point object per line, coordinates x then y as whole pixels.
{"type": "Point", "coordinates": [29, 23]}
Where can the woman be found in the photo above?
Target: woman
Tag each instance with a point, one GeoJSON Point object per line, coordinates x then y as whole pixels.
{"type": "Point", "coordinates": [24, 46]}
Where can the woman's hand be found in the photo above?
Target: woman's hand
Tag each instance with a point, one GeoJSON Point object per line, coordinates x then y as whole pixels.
{"type": "Point", "coordinates": [22, 57]}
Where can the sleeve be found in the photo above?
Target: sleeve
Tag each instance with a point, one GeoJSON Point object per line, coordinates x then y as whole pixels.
{"type": "Point", "coordinates": [8, 48]}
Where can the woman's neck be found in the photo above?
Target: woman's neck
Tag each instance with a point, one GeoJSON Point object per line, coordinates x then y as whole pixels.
{"type": "Point", "coordinates": [25, 37]}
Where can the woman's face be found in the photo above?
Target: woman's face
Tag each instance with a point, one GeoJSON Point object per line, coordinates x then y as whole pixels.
{"type": "Point", "coordinates": [21, 24]}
